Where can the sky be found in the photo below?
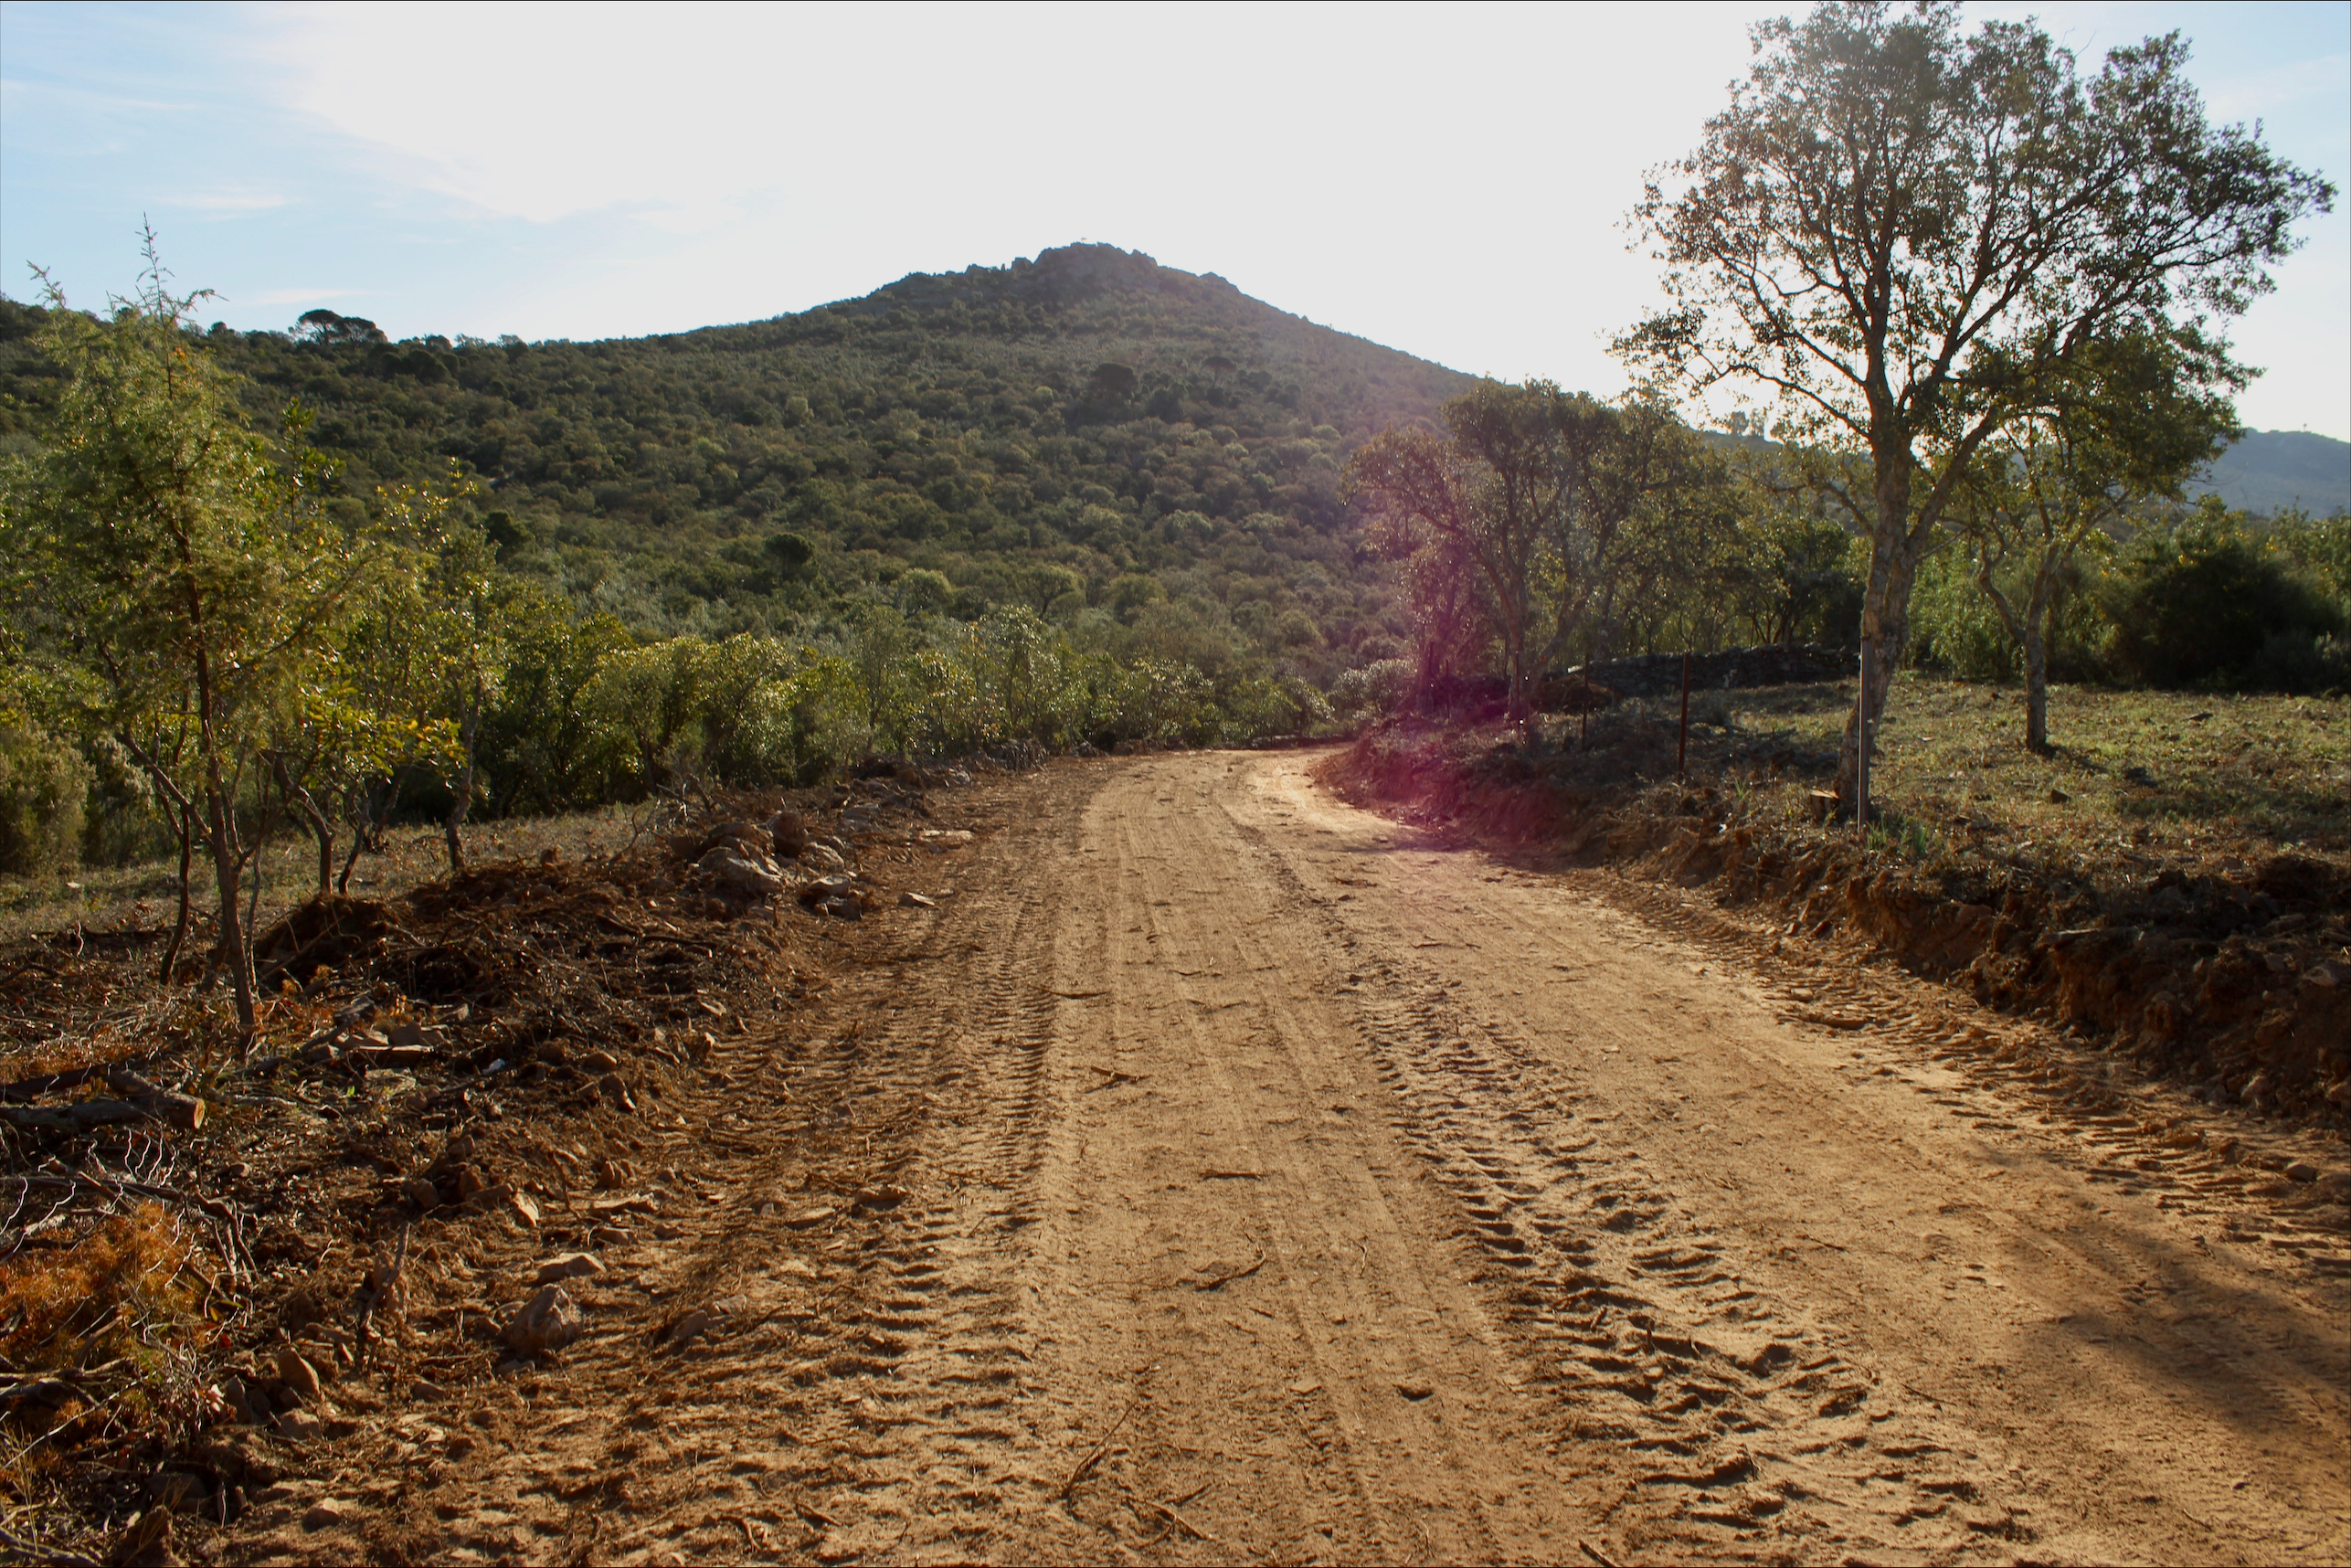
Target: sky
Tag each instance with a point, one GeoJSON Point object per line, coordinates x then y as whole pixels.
{"type": "Point", "coordinates": [1449, 180]}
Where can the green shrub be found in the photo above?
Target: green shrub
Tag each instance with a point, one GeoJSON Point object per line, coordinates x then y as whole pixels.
{"type": "Point", "coordinates": [43, 780]}
{"type": "Point", "coordinates": [1953, 627]}
{"type": "Point", "coordinates": [2298, 660]}
{"type": "Point", "coordinates": [1371, 692]}
{"type": "Point", "coordinates": [119, 821]}
{"type": "Point", "coordinates": [2202, 604]}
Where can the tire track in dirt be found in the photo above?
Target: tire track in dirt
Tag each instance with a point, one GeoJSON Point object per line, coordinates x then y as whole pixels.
{"type": "Point", "coordinates": [1738, 1410]}
{"type": "Point", "coordinates": [2103, 1382]}
{"type": "Point", "coordinates": [1225, 1175]}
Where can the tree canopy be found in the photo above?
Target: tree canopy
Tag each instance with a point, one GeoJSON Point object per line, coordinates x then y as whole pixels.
{"type": "Point", "coordinates": [1909, 233]}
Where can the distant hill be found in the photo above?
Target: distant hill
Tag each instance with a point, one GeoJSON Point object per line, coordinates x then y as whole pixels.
{"type": "Point", "coordinates": [2268, 471]}
{"type": "Point", "coordinates": [1051, 426]}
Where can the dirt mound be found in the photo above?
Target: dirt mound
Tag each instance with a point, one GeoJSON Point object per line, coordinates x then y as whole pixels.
{"type": "Point", "coordinates": [487, 1057]}
{"type": "Point", "coordinates": [2239, 982]}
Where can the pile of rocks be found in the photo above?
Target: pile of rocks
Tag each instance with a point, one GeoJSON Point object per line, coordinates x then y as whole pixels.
{"type": "Point", "coordinates": [743, 860]}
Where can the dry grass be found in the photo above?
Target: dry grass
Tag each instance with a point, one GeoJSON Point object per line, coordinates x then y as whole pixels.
{"type": "Point", "coordinates": [105, 1338]}
{"type": "Point", "coordinates": [143, 895]}
{"type": "Point", "coordinates": [2186, 777]}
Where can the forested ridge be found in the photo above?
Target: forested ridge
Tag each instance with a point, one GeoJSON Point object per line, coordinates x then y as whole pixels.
{"type": "Point", "coordinates": [1089, 423]}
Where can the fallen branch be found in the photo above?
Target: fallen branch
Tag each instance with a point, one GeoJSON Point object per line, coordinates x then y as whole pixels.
{"type": "Point", "coordinates": [1100, 1448]}
{"type": "Point", "coordinates": [1164, 1512]}
{"type": "Point", "coordinates": [148, 1101]}
{"type": "Point", "coordinates": [1224, 1279]}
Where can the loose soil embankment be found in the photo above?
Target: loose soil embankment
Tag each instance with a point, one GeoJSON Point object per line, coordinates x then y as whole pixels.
{"type": "Point", "coordinates": [2236, 980]}
{"type": "Point", "coordinates": [216, 1262]}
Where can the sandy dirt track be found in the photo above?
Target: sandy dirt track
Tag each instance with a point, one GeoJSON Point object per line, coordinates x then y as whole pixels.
{"type": "Point", "coordinates": [1247, 1180]}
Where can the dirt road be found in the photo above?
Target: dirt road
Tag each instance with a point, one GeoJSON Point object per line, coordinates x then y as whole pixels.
{"type": "Point", "coordinates": [1244, 1179]}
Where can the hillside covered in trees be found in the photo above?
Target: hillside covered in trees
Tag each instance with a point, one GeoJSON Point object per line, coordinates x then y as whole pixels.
{"type": "Point", "coordinates": [1089, 424]}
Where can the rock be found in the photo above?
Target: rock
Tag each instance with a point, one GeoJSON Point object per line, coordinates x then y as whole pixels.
{"type": "Point", "coordinates": [688, 1329]}
{"type": "Point", "coordinates": [2339, 1093]}
{"type": "Point", "coordinates": [427, 1393]}
{"type": "Point", "coordinates": [788, 833]}
{"type": "Point", "coordinates": [513, 1201]}
{"type": "Point", "coordinates": [548, 1321]}
{"type": "Point", "coordinates": [610, 1087]}
{"type": "Point", "coordinates": [2321, 977]}
{"type": "Point", "coordinates": [301, 1425]}
{"type": "Point", "coordinates": [2302, 1170]}
{"type": "Point", "coordinates": [145, 1543]}
{"type": "Point", "coordinates": [569, 1266]}
{"type": "Point", "coordinates": [298, 1374]}
{"type": "Point", "coordinates": [2057, 797]}
{"type": "Point", "coordinates": [941, 840]}
{"type": "Point", "coordinates": [599, 1061]}
{"type": "Point", "coordinates": [915, 901]}
{"type": "Point", "coordinates": [2255, 1088]}
{"type": "Point", "coordinates": [822, 859]}
{"type": "Point", "coordinates": [249, 1405]}
{"type": "Point", "coordinates": [409, 1034]}
{"type": "Point", "coordinates": [748, 838]}
{"type": "Point", "coordinates": [756, 877]}
{"type": "Point", "coordinates": [1414, 1390]}
{"type": "Point", "coordinates": [326, 1513]}
{"type": "Point", "coordinates": [469, 1181]}
{"type": "Point", "coordinates": [809, 1219]}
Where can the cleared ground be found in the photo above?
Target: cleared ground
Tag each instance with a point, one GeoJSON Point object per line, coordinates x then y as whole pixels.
{"type": "Point", "coordinates": [1251, 1181]}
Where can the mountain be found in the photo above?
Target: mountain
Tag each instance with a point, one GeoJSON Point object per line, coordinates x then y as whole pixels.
{"type": "Point", "coordinates": [1060, 426]}
{"type": "Point", "coordinates": [2267, 472]}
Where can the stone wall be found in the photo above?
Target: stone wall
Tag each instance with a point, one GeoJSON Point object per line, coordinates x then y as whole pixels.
{"type": "Point", "coordinates": [1659, 674]}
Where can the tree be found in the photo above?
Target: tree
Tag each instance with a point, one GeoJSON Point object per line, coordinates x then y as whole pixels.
{"type": "Point", "coordinates": [1913, 237]}
{"type": "Point", "coordinates": [1440, 585]}
{"type": "Point", "coordinates": [1537, 488]}
{"type": "Point", "coordinates": [2128, 428]}
{"type": "Point", "coordinates": [186, 572]}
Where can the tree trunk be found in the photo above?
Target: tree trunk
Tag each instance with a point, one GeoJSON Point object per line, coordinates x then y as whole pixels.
{"type": "Point", "coordinates": [187, 832]}
{"type": "Point", "coordinates": [228, 873]}
{"type": "Point", "coordinates": [321, 828]}
{"type": "Point", "coordinates": [2036, 687]}
{"type": "Point", "coordinates": [2036, 642]}
{"type": "Point", "coordinates": [1885, 630]}
{"type": "Point", "coordinates": [463, 788]}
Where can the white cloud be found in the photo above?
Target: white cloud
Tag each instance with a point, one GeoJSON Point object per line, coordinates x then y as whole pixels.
{"type": "Point", "coordinates": [1446, 181]}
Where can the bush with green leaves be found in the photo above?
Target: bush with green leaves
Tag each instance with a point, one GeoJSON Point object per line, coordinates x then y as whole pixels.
{"type": "Point", "coordinates": [1368, 693]}
{"type": "Point", "coordinates": [43, 782]}
{"type": "Point", "coordinates": [2215, 601]}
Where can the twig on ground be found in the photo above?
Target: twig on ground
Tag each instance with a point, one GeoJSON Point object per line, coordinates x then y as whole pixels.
{"type": "Point", "coordinates": [1169, 1514]}
{"type": "Point", "coordinates": [1224, 1279]}
{"type": "Point", "coordinates": [1100, 1448]}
